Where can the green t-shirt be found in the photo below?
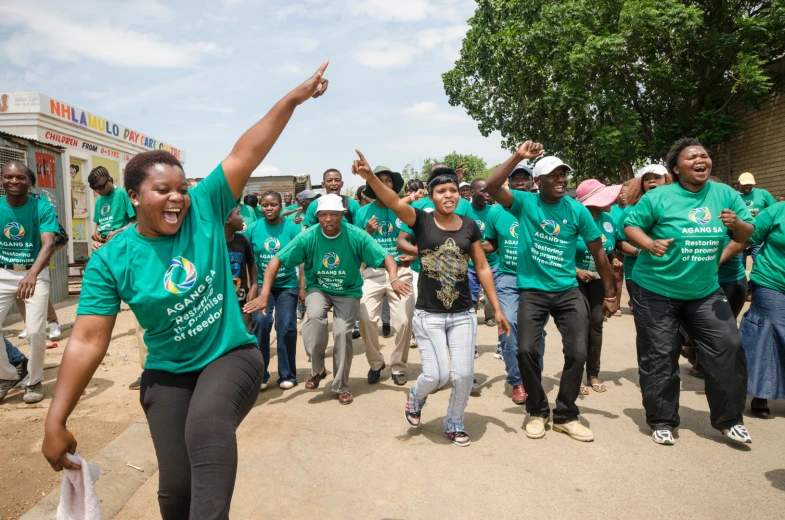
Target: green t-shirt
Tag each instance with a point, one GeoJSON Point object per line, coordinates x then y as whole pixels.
{"type": "Point", "coordinates": [480, 216]}
{"type": "Point", "coordinates": [257, 212]}
{"type": "Point", "coordinates": [503, 227]}
{"type": "Point", "coordinates": [266, 241]}
{"type": "Point", "coordinates": [616, 213]}
{"type": "Point", "coordinates": [769, 268]}
{"type": "Point", "coordinates": [179, 287]}
{"type": "Point", "coordinates": [113, 211]}
{"type": "Point", "coordinates": [287, 208]}
{"type": "Point", "coordinates": [309, 219]}
{"type": "Point", "coordinates": [21, 242]}
{"type": "Point", "coordinates": [757, 200]}
{"type": "Point", "coordinates": [426, 204]}
{"type": "Point", "coordinates": [628, 261]}
{"type": "Point", "coordinates": [548, 239]}
{"type": "Point", "coordinates": [733, 269]}
{"type": "Point", "coordinates": [607, 226]}
{"type": "Point", "coordinates": [386, 234]}
{"type": "Point", "coordinates": [333, 265]}
{"type": "Point", "coordinates": [688, 270]}
{"type": "Point", "coordinates": [248, 214]}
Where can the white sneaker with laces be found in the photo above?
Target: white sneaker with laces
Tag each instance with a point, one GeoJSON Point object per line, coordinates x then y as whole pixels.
{"type": "Point", "coordinates": [738, 433]}
{"type": "Point", "coordinates": [664, 437]}
{"type": "Point", "coordinates": [55, 331]}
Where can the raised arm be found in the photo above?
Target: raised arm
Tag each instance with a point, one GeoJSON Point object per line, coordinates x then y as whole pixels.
{"type": "Point", "coordinates": [251, 149]}
{"type": "Point", "coordinates": [495, 183]}
{"type": "Point", "coordinates": [401, 209]}
{"type": "Point", "coordinates": [86, 348]}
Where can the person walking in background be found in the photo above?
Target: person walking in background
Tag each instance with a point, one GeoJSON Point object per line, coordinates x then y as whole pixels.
{"type": "Point", "coordinates": [331, 255]}
{"type": "Point", "coordinates": [332, 182]}
{"type": "Point", "coordinates": [242, 263]}
{"type": "Point", "coordinates": [465, 189]}
{"type": "Point", "coordinates": [269, 236]}
{"type": "Point", "coordinates": [549, 227]}
{"type": "Point", "coordinates": [598, 199]}
{"type": "Point", "coordinates": [680, 230]}
{"type": "Point", "coordinates": [756, 200]}
{"type": "Point", "coordinates": [248, 210]}
{"type": "Point", "coordinates": [113, 209]}
{"type": "Point", "coordinates": [381, 223]}
{"type": "Point", "coordinates": [480, 207]}
{"type": "Point", "coordinates": [444, 323]}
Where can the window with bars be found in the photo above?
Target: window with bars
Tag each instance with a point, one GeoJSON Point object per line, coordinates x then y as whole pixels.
{"type": "Point", "coordinates": [11, 154]}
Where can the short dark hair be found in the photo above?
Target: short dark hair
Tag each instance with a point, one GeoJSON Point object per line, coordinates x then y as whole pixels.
{"type": "Point", "coordinates": [441, 175]}
{"type": "Point", "coordinates": [475, 182]}
{"type": "Point", "coordinates": [273, 193]}
{"type": "Point", "coordinates": [331, 170]}
{"type": "Point", "coordinates": [98, 173]}
{"type": "Point", "coordinates": [359, 194]}
{"type": "Point", "coordinates": [414, 185]}
{"type": "Point", "coordinates": [19, 165]}
{"type": "Point", "coordinates": [251, 200]}
{"type": "Point", "coordinates": [136, 169]}
{"type": "Point", "coordinates": [75, 167]}
{"type": "Point", "coordinates": [672, 159]}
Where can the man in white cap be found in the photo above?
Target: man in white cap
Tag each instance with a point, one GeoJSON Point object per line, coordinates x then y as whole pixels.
{"type": "Point", "coordinates": [331, 254]}
{"type": "Point", "coordinates": [756, 200]}
{"type": "Point", "coordinates": [548, 231]}
{"type": "Point", "coordinates": [465, 189]}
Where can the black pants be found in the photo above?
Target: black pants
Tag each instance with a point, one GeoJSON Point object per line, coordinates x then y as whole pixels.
{"type": "Point", "coordinates": [193, 418]}
{"type": "Point", "coordinates": [710, 324]}
{"type": "Point", "coordinates": [736, 292]}
{"type": "Point", "coordinates": [594, 295]}
{"type": "Point", "coordinates": [571, 315]}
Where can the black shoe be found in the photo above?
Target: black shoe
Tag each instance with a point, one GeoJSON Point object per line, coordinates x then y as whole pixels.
{"type": "Point", "coordinates": [356, 334]}
{"type": "Point", "coordinates": [374, 375]}
{"type": "Point", "coordinates": [21, 371]}
{"type": "Point", "coordinates": [136, 385]}
{"type": "Point", "coordinates": [386, 330]}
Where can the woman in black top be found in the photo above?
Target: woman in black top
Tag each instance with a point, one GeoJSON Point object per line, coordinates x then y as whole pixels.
{"type": "Point", "coordinates": [444, 318]}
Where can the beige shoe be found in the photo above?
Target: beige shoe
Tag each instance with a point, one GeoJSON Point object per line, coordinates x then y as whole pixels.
{"type": "Point", "coordinates": [575, 430]}
{"type": "Point", "coordinates": [535, 428]}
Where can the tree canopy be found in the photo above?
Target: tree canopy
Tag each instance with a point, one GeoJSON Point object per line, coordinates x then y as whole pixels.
{"type": "Point", "coordinates": [473, 166]}
{"type": "Point", "coordinates": [608, 84]}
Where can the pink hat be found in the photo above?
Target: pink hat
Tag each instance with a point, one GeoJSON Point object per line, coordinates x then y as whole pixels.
{"type": "Point", "coordinates": [592, 192]}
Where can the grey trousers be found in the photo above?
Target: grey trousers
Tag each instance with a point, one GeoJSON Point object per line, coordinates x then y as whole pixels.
{"type": "Point", "coordinates": [315, 334]}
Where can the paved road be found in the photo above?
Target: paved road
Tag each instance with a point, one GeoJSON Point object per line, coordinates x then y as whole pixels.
{"type": "Point", "coordinates": [302, 455]}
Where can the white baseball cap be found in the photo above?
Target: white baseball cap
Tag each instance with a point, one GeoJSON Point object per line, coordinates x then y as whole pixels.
{"type": "Point", "coordinates": [546, 165]}
{"type": "Point", "coordinates": [331, 202]}
{"type": "Point", "coordinates": [656, 169]}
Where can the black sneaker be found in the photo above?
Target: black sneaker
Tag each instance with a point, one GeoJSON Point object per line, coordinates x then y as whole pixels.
{"type": "Point", "coordinates": [21, 371]}
{"type": "Point", "coordinates": [386, 330]}
{"type": "Point", "coordinates": [356, 333]}
{"type": "Point", "coordinates": [374, 375]}
{"type": "Point", "coordinates": [136, 385]}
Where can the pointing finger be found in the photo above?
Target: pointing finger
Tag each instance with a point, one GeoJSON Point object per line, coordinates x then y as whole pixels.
{"type": "Point", "coordinates": [362, 157]}
{"type": "Point", "coordinates": [320, 70]}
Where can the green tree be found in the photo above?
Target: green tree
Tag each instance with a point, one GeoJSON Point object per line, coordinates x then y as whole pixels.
{"type": "Point", "coordinates": [608, 84]}
{"type": "Point", "coordinates": [473, 166]}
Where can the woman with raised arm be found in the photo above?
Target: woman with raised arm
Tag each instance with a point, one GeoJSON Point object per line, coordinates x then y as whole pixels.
{"type": "Point", "coordinates": [444, 318]}
{"type": "Point", "coordinates": [203, 370]}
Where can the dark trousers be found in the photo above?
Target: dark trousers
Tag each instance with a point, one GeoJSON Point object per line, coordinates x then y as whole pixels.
{"type": "Point", "coordinates": [571, 315]}
{"type": "Point", "coordinates": [736, 292]}
{"type": "Point", "coordinates": [710, 324]}
{"type": "Point", "coordinates": [594, 295]}
{"type": "Point", "coordinates": [193, 418]}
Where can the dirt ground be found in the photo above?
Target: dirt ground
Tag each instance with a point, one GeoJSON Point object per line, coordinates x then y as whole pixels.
{"type": "Point", "coordinates": [106, 410]}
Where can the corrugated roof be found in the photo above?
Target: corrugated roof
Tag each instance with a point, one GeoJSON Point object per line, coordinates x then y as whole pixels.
{"type": "Point", "coordinates": [9, 135]}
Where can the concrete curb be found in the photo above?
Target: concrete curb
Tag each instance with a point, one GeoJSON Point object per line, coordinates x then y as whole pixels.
{"type": "Point", "coordinates": [118, 481]}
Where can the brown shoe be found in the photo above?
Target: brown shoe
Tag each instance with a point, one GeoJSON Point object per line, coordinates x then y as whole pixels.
{"type": "Point", "coordinates": [345, 398]}
{"type": "Point", "coordinates": [519, 394]}
{"type": "Point", "coordinates": [313, 381]}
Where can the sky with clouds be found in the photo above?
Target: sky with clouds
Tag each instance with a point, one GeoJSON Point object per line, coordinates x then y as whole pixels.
{"type": "Point", "coordinates": [197, 74]}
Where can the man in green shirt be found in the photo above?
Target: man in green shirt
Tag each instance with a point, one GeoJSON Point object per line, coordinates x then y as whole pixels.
{"type": "Point", "coordinates": [479, 208]}
{"type": "Point", "coordinates": [756, 200]}
{"type": "Point", "coordinates": [383, 226]}
{"type": "Point", "coordinates": [113, 209]}
{"type": "Point", "coordinates": [248, 210]}
{"type": "Point", "coordinates": [332, 182]}
{"type": "Point", "coordinates": [290, 205]}
{"type": "Point", "coordinates": [331, 254]}
{"type": "Point", "coordinates": [548, 231]}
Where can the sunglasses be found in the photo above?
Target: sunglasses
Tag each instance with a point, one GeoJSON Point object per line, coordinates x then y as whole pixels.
{"type": "Point", "coordinates": [99, 187]}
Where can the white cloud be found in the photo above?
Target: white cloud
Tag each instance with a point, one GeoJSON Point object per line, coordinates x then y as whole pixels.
{"type": "Point", "coordinates": [384, 54]}
{"type": "Point", "coordinates": [394, 10]}
{"type": "Point", "coordinates": [56, 36]}
{"type": "Point", "coordinates": [289, 69]}
{"type": "Point", "coordinates": [428, 111]}
{"type": "Point", "coordinates": [431, 38]}
{"type": "Point", "coordinates": [266, 170]}
{"type": "Point", "coordinates": [209, 108]}
{"type": "Point", "coordinates": [294, 44]}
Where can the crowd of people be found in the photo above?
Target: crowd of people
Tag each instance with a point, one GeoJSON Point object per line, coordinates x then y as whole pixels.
{"type": "Point", "coordinates": [208, 277]}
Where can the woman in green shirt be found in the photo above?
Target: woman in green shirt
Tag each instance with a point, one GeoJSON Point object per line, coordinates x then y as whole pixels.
{"type": "Point", "coordinates": [203, 370]}
{"type": "Point", "coordinates": [763, 326]}
{"type": "Point", "coordinates": [680, 230]}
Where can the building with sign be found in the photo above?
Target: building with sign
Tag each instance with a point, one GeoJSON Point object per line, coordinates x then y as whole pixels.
{"type": "Point", "coordinates": [87, 141]}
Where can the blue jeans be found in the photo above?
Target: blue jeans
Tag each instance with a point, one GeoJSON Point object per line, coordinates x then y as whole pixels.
{"type": "Point", "coordinates": [507, 291]}
{"type": "Point", "coordinates": [474, 282]}
{"type": "Point", "coordinates": [14, 356]}
{"type": "Point", "coordinates": [284, 301]}
{"type": "Point", "coordinates": [436, 335]}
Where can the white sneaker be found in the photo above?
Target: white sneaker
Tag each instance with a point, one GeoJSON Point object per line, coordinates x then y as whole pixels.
{"type": "Point", "coordinates": [738, 433]}
{"type": "Point", "coordinates": [498, 353]}
{"type": "Point", "coordinates": [664, 437]}
{"type": "Point", "coordinates": [55, 331]}
{"type": "Point", "coordinates": [264, 387]}
{"type": "Point", "coordinates": [23, 334]}
{"type": "Point", "coordinates": [286, 385]}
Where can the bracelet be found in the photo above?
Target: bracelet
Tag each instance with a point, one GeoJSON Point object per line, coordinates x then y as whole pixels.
{"type": "Point", "coordinates": [637, 252]}
{"type": "Point", "coordinates": [610, 299]}
{"type": "Point", "coordinates": [394, 280]}
{"type": "Point", "coordinates": [414, 196]}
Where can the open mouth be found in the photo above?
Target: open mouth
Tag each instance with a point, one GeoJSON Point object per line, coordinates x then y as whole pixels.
{"type": "Point", "coordinates": [171, 215]}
